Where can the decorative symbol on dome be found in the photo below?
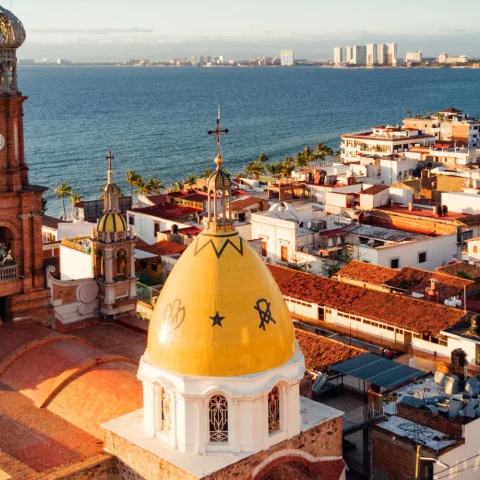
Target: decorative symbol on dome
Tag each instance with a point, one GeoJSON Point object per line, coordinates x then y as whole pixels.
{"type": "Point", "coordinates": [218, 252]}
{"type": "Point", "coordinates": [174, 314]}
{"type": "Point", "coordinates": [217, 320]}
{"type": "Point", "coordinates": [263, 308]}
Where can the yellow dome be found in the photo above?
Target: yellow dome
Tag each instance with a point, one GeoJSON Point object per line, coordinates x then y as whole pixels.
{"type": "Point", "coordinates": [112, 223]}
{"type": "Point", "coordinates": [220, 312]}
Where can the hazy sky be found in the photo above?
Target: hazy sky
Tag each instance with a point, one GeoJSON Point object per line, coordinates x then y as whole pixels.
{"type": "Point", "coordinates": [161, 29]}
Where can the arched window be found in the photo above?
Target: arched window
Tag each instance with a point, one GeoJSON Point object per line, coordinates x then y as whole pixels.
{"type": "Point", "coordinates": [121, 263]}
{"type": "Point", "coordinates": [274, 410]}
{"type": "Point", "coordinates": [218, 416]}
{"type": "Point", "coordinates": [166, 411]}
{"type": "Point", "coordinates": [99, 265]}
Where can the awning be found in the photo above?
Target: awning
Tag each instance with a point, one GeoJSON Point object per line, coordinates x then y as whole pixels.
{"type": "Point", "coordinates": [378, 370]}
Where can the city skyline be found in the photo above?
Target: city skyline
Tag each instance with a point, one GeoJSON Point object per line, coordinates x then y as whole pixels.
{"type": "Point", "coordinates": [57, 29]}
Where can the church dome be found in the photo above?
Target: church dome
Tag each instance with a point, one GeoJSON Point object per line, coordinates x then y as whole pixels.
{"type": "Point", "coordinates": [112, 223]}
{"type": "Point", "coordinates": [220, 312]}
{"type": "Point", "coordinates": [219, 178]}
{"type": "Point", "coordinates": [12, 33]}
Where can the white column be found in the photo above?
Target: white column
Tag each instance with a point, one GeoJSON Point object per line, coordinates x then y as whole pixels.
{"type": "Point", "coordinates": [149, 410]}
{"type": "Point", "coordinates": [235, 429]}
{"type": "Point", "coordinates": [108, 264]}
{"type": "Point", "coordinates": [173, 413]}
{"type": "Point", "coordinates": [263, 428]}
{"type": "Point", "coordinates": [201, 424]}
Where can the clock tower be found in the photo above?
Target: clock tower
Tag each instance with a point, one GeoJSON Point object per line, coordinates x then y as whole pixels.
{"type": "Point", "coordinates": [22, 278]}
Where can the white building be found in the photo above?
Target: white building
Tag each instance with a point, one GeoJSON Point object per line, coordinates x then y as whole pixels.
{"type": "Point", "coordinates": [359, 55]}
{"type": "Point", "coordinates": [413, 57]}
{"type": "Point", "coordinates": [339, 55]}
{"type": "Point", "coordinates": [391, 53]}
{"type": "Point", "coordinates": [396, 168]}
{"type": "Point", "coordinates": [381, 141]}
{"type": "Point", "coordinates": [372, 54]}
{"type": "Point", "coordinates": [444, 58]}
{"type": "Point", "coordinates": [381, 53]}
{"type": "Point", "coordinates": [349, 54]}
{"type": "Point", "coordinates": [287, 58]}
{"type": "Point", "coordinates": [461, 202]}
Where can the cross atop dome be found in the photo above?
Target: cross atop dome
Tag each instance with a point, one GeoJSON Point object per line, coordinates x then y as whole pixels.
{"type": "Point", "coordinates": [218, 132]}
{"type": "Point", "coordinates": [110, 157]}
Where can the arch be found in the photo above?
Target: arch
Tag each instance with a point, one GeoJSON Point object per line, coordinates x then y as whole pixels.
{"type": "Point", "coordinates": [166, 411]}
{"type": "Point", "coordinates": [274, 410]}
{"type": "Point", "coordinates": [99, 264]}
{"type": "Point", "coordinates": [121, 263]}
{"type": "Point", "coordinates": [8, 243]}
{"type": "Point", "coordinates": [218, 418]}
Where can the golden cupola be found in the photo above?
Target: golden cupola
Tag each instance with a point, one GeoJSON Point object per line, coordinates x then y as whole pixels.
{"type": "Point", "coordinates": [220, 313]}
{"type": "Point", "coordinates": [112, 220]}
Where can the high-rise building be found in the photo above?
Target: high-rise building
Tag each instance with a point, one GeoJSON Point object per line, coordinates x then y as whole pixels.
{"type": "Point", "coordinates": [372, 51]}
{"type": "Point", "coordinates": [287, 58]}
{"type": "Point", "coordinates": [359, 55]}
{"type": "Point", "coordinates": [221, 60]}
{"type": "Point", "coordinates": [348, 54]}
{"type": "Point", "coordinates": [413, 57]}
{"type": "Point", "coordinates": [194, 60]}
{"type": "Point", "coordinates": [391, 53]}
{"type": "Point", "coordinates": [201, 60]}
{"type": "Point", "coordinates": [338, 55]}
{"type": "Point", "coordinates": [381, 54]}
{"type": "Point", "coordinates": [209, 59]}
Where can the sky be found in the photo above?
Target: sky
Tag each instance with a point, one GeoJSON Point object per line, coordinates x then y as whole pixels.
{"type": "Point", "coordinates": [115, 30]}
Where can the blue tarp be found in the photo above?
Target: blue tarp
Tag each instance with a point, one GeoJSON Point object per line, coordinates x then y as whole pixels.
{"type": "Point", "coordinates": [378, 370]}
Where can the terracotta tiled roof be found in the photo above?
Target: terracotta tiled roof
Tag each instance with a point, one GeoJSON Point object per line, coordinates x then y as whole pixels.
{"type": "Point", "coordinates": [469, 220]}
{"type": "Point", "coordinates": [367, 272]}
{"type": "Point", "coordinates": [34, 440]}
{"type": "Point", "coordinates": [322, 352]}
{"type": "Point", "coordinates": [416, 280]}
{"type": "Point", "coordinates": [140, 244]}
{"type": "Point", "coordinates": [456, 268]}
{"type": "Point", "coordinates": [52, 222]}
{"type": "Point", "coordinates": [374, 189]}
{"type": "Point", "coordinates": [164, 247]}
{"type": "Point", "coordinates": [170, 211]}
{"type": "Point", "coordinates": [397, 310]}
{"type": "Point", "coordinates": [238, 205]}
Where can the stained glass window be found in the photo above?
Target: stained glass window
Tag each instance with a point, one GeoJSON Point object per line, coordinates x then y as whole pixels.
{"type": "Point", "coordinates": [218, 416]}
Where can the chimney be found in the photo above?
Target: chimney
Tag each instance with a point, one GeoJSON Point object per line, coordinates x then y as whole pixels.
{"type": "Point", "coordinates": [433, 284]}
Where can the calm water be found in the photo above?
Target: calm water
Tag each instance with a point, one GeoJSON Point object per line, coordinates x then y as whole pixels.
{"type": "Point", "coordinates": [156, 119]}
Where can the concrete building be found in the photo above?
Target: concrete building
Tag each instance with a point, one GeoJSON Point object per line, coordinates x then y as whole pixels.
{"type": "Point", "coordinates": [349, 54]}
{"type": "Point", "coordinates": [339, 55]}
{"type": "Point", "coordinates": [391, 53]}
{"type": "Point", "coordinates": [372, 54]}
{"type": "Point", "coordinates": [415, 57]}
{"type": "Point", "coordinates": [444, 58]}
{"type": "Point", "coordinates": [359, 55]}
{"type": "Point", "coordinates": [381, 141]}
{"type": "Point", "coordinates": [287, 58]}
{"type": "Point", "coordinates": [381, 53]}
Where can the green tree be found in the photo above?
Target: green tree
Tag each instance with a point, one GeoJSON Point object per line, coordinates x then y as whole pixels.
{"type": "Point", "coordinates": [75, 198]}
{"type": "Point", "coordinates": [274, 169]}
{"type": "Point", "coordinates": [143, 187]}
{"type": "Point", "coordinates": [300, 161]}
{"type": "Point", "coordinates": [191, 181]}
{"type": "Point", "coordinates": [177, 187]}
{"type": "Point", "coordinates": [287, 167]}
{"type": "Point", "coordinates": [63, 191]}
{"type": "Point", "coordinates": [207, 173]}
{"type": "Point", "coordinates": [155, 185]}
{"type": "Point", "coordinates": [262, 158]}
{"type": "Point", "coordinates": [132, 178]}
{"type": "Point", "coordinates": [254, 169]}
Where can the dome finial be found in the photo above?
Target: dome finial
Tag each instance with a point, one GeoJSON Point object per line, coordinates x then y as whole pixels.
{"type": "Point", "coordinates": [218, 132]}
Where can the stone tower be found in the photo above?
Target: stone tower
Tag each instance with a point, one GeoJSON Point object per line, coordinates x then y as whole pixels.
{"type": "Point", "coordinates": [114, 255]}
{"type": "Point", "coordinates": [22, 277]}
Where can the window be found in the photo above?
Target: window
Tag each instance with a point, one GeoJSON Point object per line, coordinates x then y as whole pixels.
{"type": "Point", "coordinates": [143, 264]}
{"type": "Point", "coordinates": [166, 411]}
{"type": "Point", "coordinates": [477, 354]}
{"type": "Point", "coordinates": [475, 249]}
{"type": "Point", "coordinates": [264, 249]}
{"type": "Point", "coordinates": [218, 419]}
{"type": "Point", "coordinates": [274, 410]}
{"type": "Point", "coordinates": [131, 220]}
{"type": "Point", "coordinates": [284, 254]}
{"type": "Point", "coordinates": [394, 263]}
{"type": "Point", "coordinates": [422, 257]}
{"type": "Point", "coordinates": [156, 228]}
{"type": "Point", "coordinates": [121, 263]}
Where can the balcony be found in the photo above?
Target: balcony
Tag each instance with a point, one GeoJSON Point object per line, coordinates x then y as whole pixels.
{"type": "Point", "coordinates": [8, 273]}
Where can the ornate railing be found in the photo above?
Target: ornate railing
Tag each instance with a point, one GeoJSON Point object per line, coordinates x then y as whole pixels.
{"type": "Point", "coordinates": [8, 273]}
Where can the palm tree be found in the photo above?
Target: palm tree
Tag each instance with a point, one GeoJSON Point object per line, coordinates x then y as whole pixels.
{"type": "Point", "coordinates": [409, 113]}
{"type": "Point", "coordinates": [191, 181]}
{"type": "Point", "coordinates": [207, 173]}
{"type": "Point", "coordinates": [132, 178]}
{"type": "Point", "coordinates": [307, 152]}
{"type": "Point", "coordinates": [287, 168]}
{"type": "Point", "coordinates": [75, 198]}
{"type": "Point", "coordinates": [254, 169]}
{"type": "Point", "coordinates": [62, 191]}
{"type": "Point", "coordinates": [300, 161]}
{"type": "Point", "coordinates": [155, 185]}
{"type": "Point", "coordinates": [262, 158]}
{"type": "Point", "coordinates": [273, 168]}
{"type": "Point", "coordinates": [142, 187]}
{"type": "Point", "coordinates": [177, 186]}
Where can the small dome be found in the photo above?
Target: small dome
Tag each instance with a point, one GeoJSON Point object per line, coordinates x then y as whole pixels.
{"type": "Point", "coordinates": [112, 188]}
{"type": "Point", "coordinates": [219, 179]}
{"type": "Point", "coordinates": [12, 33]}
{"type": "Point", "coordinates": [112, 223]}
{"type": "Point", "coordinates": [229, 319]}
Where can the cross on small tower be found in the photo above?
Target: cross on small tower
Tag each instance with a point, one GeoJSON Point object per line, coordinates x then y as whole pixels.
{"type": "Point", "coordinates": [110, 157]}
{"type": "Point", "coordinates": [218, 132]}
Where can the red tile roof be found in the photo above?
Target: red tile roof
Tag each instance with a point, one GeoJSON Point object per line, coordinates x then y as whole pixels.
{"type": "Point", "coordinates": [373, 190]}
{"type": "Point", "coordinates": [242, 203]}
{"type": "Point", "coordinates": [164, 247]}
{"type": "Point", "coordinates": [321, 352]}
{"type": "Point", "coordinates": [456, 268]}
{"type": "Point", "coordinates": [366, 272]}
{"type": "Point", "coordinates": [169, 211]}
{"type": "Point", "coordinates": [397, 310]}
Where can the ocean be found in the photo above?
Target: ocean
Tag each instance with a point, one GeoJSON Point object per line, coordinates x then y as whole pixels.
{"type": "Point", "coordinates": [155, 120]}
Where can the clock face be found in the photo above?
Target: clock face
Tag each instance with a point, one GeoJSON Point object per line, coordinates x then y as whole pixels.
{"type": "Point", "coordinates": [2, 141]}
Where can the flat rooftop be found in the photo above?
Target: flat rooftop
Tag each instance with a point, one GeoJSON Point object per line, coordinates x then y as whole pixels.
{"type": "Point", "coordinates": [383, 234]}
{"type": "Point", "coordinates": [421, 212]}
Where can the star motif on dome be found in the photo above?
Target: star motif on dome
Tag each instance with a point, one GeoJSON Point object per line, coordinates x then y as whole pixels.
{"type": "Point", "coordinates": [217, 319]}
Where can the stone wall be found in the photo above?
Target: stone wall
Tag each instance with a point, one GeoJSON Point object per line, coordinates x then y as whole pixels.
{"type": "Point", "coordinates": [135, 463]}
